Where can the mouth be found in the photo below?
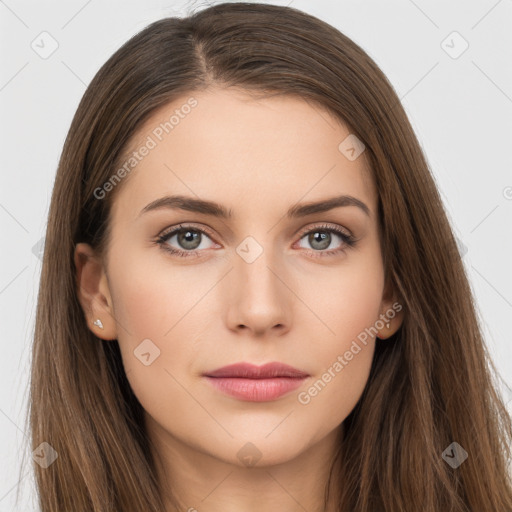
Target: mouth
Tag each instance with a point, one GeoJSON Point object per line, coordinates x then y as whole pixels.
{"type": "Point", "coordinates": [251, 383]}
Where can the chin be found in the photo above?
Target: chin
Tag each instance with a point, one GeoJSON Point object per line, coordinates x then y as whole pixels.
{"type": "Point", "coordinates": [260, 449]}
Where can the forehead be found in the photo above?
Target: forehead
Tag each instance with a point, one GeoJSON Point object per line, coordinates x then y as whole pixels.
{"type": "Point", "coordinates": [243, 151]}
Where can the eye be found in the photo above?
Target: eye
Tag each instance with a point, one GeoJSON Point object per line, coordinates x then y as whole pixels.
{"type": "Point", "coordinates": [189, 238]}
{"type": "Point", "coordinates": [321, 237]}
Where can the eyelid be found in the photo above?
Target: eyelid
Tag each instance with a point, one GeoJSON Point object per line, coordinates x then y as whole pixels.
{"type": "Point", "coordinates": [186, 225]}
{"type": "Point", "coordinates": [326, 226]}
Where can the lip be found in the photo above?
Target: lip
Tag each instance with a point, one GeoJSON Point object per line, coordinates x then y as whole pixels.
{"type": "Point", "coordinates": [252, 383]}
{"type": "Point", "coordinates": [251, 371]}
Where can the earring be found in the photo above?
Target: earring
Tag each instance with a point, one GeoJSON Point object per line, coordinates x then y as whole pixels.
{"type": "Point", "coordinates": [387, 325]}
{"type": "Point", "coordinates": [98, 323]}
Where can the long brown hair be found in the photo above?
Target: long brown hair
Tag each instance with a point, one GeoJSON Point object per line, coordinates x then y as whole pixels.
{"type": "Point", "coordinates": [431, 384]}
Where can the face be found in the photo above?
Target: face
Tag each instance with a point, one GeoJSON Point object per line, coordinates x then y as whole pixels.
{"type": "Point", "coordinates": [270, 281]}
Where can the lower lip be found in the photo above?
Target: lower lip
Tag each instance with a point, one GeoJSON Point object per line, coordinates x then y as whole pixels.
{"type": "Point", "coordinates": [256, 390]}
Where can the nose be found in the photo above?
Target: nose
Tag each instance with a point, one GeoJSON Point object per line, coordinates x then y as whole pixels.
{"type": "Point", "coordinates": [258, 296]}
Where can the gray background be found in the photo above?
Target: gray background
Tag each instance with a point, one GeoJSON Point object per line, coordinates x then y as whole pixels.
{"type": "Point", "coordinates": [459, 103]}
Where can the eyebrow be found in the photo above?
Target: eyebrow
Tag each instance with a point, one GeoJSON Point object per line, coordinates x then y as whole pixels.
{"type": "Point", "coordinates": [214, 209]}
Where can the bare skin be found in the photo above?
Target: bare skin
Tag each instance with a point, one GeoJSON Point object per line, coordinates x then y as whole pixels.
{"type": "Point", "coordinates": [298, 302]}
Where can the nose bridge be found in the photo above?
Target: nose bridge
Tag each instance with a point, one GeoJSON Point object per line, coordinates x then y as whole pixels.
{"type": "Point", "coordinates": [258, 297]}
{"type": "Point", "coordinates": [252, 267]}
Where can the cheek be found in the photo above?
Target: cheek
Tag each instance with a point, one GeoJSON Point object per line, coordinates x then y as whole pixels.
{"type": "Point", "coordinates": [348, 306]}
{"type": "Point", "coordinates": [155, 343]}
{"type": "Point", "coordinates": [345, 300]}
{"type": "Point", "coordinates": [150, 296]}
{"type": "Point", "coordinates": [342, 360]}
{"type": "Point", "coordinates": [330, 396]}
{"type": "Point", "coordinates": [156, 310]}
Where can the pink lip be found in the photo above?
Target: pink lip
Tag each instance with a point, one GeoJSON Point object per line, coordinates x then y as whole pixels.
{"type": "Point", "coordinates": [256, 383]}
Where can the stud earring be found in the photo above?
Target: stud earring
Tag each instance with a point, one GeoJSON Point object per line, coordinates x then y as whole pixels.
{"type": "Point", "coordinates": [98, 323]}
{"type": "Point", "coordinates": [387, 325]}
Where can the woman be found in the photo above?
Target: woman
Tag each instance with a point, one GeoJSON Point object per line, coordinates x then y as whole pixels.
{"type": "Point", "coordinates": [251, 296]}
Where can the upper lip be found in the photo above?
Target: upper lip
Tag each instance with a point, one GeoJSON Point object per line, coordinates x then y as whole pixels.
{"type": "Point", "coordinates": [250, 371]}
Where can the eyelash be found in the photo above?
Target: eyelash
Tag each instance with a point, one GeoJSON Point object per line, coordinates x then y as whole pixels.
{"type": "Point", "coordinates": [348, 240]}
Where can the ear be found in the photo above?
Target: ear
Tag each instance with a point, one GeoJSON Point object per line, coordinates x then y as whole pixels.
{"type": "Point", "coordinates": [93, 292]}
{"type": "Point", "coordinates": [392, 313]}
